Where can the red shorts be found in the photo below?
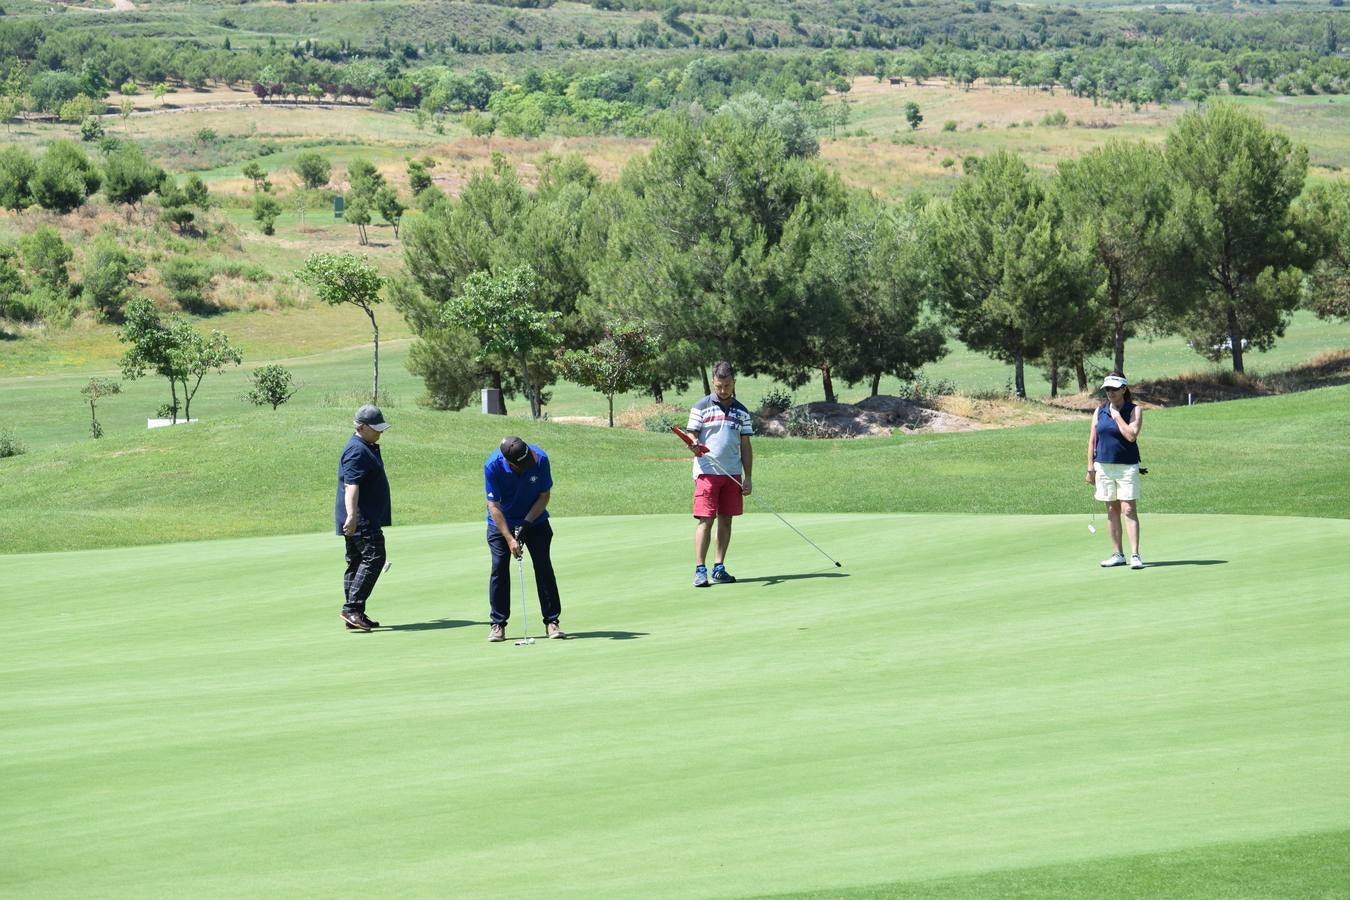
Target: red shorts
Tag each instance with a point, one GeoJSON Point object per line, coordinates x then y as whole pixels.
{"type": "Point", "coordinates": [717, 495]}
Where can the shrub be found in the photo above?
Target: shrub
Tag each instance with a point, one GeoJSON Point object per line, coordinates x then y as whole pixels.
{"type": "Point", "coordinates": [106, 276]}
{"type": "Point", "coordinates": [9, 445]}
{"type": "Point", "coordinates": [949, 125]}
{"type": "Point", "coordinates": [775, 400]}
{"type": "Point", "coordinates": [244, 271]}
{"type": "Point", "coordinates": [91, 129]}
{"type": "Point", "coordinates": [17, 168]}
{"type": "Point", "coordinates": [800, 424]}
{"type": "Point", "coordinates": [659, 422]}
{"type": "Point", "coordinates": [64, 178]}
{"type": "Point", "coordinates": [78, 109]}
{"type": "Point", "coordinates": [265, 212]}
{"type": "Point", "coordinates": [15, 300]}
{"type": "Point", "coordinates": [313, 169]}
{"type": "Point", "coordinates": [46, 255]}
{"type": "Point", "coordinates": [1056, 119]}
{"type": "Point", "coordinates": [272, 385]}
{"type": "Point", "coordinates": [922, 389]}
{"type": "Point", "coordinates": [186, 280]}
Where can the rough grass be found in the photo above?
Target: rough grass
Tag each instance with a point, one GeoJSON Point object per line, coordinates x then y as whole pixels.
{"type": "Point", "coordinates": [266, 472]}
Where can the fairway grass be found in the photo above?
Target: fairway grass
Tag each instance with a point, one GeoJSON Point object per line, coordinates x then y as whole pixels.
{"type": "Point", "coordinates": [970, 707]}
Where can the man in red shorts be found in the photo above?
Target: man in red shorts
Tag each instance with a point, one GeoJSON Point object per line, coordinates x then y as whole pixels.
{"type": "Point", "coordinates": [722, 424]}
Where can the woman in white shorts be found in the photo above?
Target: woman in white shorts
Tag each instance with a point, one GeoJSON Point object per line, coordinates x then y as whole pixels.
{"type": "Point", "coordinates": [1113, 465]}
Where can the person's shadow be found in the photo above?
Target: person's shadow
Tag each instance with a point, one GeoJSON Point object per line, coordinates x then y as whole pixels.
{"type": "Point", "coordinates": [1186, 562]}
{"type": "Point", "coordinates": [433, 625]}
{"type": "Point", "coordinates": [611, 635]}
{"type": "Point", "coordinates": [767, 580]}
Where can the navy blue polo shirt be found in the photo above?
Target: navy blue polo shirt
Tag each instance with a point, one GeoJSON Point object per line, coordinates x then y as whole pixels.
{"type": "Point", "coordinates": [1111, 444]}
{"type": "Point", "coordinates": [362, 465]}
{"type": "Point", "coordinates": [515, 492]}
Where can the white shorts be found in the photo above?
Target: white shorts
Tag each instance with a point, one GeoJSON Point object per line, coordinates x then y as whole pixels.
{"type": "Point", "coordinates": [1117, 481]}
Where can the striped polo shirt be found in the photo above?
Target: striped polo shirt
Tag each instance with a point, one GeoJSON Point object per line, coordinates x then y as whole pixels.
{"type": "Point", "coordinates": [719, 428]}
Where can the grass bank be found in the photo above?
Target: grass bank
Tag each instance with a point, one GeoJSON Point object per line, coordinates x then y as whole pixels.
{"type": "Point", "coordinates": [265, 472]}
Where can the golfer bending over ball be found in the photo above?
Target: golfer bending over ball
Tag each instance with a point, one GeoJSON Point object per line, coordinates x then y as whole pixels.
{"type": "Point", "coordinates": [722, 424]}
{"type": "Point", "coordinates": [518, 485]}
{"type": "Point", "coordinates": [1113, 464]}
{"type": "Point", "coordinates": [362, 511]}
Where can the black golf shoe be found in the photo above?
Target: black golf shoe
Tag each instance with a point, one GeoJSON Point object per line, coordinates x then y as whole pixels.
{"type": "Point", "coordinates": [355, 620]}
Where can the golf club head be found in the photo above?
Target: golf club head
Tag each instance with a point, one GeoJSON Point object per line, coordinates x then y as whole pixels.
{"type": "Point", "coordinates": [1092, 529]}
{"type": "Point", "coordinates": [525, 642]}
{"type": "Point", "coordinates": [386, 566]}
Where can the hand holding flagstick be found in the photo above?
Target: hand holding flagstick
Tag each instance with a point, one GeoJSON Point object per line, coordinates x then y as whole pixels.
{"type": "Point", "coordinates": [699, 449]}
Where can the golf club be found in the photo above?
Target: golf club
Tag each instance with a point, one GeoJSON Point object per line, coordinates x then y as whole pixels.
{"type": "Point", "coordinates": [700, 450]}
{"type": "Point", "coordinates": [1092, 525]}
{"type": "Point", "coordinates": [526, 641]}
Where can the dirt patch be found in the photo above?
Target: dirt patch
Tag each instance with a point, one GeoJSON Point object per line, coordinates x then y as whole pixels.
{"type": "Point", "coordinates": [880, 415]}
{"type": "Point", "coordinates": [581, 420]}
{"type": "Point", "coordinates": [1327, 370]}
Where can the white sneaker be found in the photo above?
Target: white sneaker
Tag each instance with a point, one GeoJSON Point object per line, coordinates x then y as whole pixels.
{"type": "Point", "coordinates": [1115, 559]}
{"type": "Point", "coordinates": [1136, 562]}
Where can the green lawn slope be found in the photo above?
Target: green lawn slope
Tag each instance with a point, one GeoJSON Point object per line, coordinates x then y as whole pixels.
{"type": "Point", "coordinates": [971, 707]}
{"type": "Point", "coordinates": [264, 472]}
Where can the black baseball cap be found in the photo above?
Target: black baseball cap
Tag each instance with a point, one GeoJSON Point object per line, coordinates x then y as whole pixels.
{"type": "Point", "coordinates": [515, 451]}
{"type": "Point", "coordinates": [371, 417]}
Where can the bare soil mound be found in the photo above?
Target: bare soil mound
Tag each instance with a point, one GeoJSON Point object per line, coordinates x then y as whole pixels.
{"type": "Point", "coordinates": [880, 415]}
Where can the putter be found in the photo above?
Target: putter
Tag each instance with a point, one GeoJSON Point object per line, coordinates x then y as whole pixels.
{"type": "Point", "coordinates": [1092, 524]}
{"type": "Point", "coordinates": [526, 641]}
{"type": "Point", "coordinates": [700, 450]}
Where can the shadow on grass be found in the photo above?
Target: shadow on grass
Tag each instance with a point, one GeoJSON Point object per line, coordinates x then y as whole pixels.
{"type": "Point", "coordinates": [611, 635]}
{"type": "Point", "coordinates": [779, 579]}
{"type": "Point", "coordinates": [433, 625]}
{"type": "Point", "coordinates": [1186, 562]}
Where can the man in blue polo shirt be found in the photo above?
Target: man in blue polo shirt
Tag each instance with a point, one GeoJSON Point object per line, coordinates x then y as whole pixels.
{"type": "Point", "coordinates": [361, 512]}
{"type": "Point", "coordinates": [518, 484]}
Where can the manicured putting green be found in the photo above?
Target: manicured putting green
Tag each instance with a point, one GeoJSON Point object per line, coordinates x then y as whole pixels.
{"type": "Point", "coordinates": [969, 697]}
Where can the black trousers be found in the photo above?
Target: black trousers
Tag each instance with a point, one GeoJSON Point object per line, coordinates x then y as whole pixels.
{"type": "Point", "coordinates": [365, 562]}
{"type": "Point", "coordinates": [537, 541]}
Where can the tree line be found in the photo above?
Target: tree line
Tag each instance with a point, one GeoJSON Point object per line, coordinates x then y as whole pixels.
{"type": "Point", "coordinates": [1151, 58]}
{"type": "Point", "coordinates": [730, 239]}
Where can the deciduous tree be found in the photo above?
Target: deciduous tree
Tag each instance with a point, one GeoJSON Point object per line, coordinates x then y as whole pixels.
{"type": "Point", "coordinates": [500, 312]}
{"type": "Point", "coordinates": [95, 390]}
{"type": "Point", "coordinates": [339, 278]}
{"type": "Point", "coordinates": [615, 364]}
{"type": "Point", "coordinates": [173, 349]}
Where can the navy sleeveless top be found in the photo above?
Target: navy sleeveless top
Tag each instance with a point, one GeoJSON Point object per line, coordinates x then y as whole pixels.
{"type": "Point", "coordinates": [1111, 445]}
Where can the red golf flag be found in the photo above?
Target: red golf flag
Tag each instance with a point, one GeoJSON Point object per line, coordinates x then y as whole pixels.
{"type": "Point", "coordinates": [699, 449]}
